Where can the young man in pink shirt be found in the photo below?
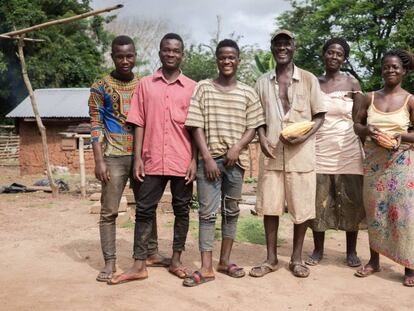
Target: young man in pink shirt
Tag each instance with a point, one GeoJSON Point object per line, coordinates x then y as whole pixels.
{"type": "Point", "coordinates": [162, 152]}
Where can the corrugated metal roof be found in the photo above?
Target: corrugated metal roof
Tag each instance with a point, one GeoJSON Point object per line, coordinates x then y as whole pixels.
{"type": "Point", "coordinates": [55, 103]}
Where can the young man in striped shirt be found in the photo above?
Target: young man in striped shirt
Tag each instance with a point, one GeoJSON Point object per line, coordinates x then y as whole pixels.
{"type": "Point", "coordinates": [223, 117]}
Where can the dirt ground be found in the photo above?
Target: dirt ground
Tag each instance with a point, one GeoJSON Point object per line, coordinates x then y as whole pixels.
{"type": "Point", "coordinates": [50, 256]}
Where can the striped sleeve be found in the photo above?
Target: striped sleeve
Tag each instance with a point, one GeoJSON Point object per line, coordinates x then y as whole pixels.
{"type": "Point", "coordinates": [254, 112]}
{"type": "Point", "coordinates": [195, 116]}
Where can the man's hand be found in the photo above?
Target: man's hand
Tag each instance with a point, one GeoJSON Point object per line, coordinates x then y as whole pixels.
{"type": "Point", "coordinates": [102, 172]}
{"type": "Point", "coordinates": [190, 176]}
{"type": "Point", "coordinates": [232, 155]}
{"type": "Point", "coordinates": [211, 169]}
{"type": "Point", "coordinates": [293, 140]}
{"type": "Point", "coordinates": [372, 131]}
{"type": "Point", "coordinates": [138, 170]}
{"type": "Point", "coordinates": [267, 147]}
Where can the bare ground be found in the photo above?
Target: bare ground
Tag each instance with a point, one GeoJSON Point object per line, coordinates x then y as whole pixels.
{"type": "Point", "coordinates": [50, 256]}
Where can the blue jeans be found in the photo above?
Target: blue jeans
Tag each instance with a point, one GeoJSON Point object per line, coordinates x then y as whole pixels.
{"type": "Point", "coordinates": [224, 192]}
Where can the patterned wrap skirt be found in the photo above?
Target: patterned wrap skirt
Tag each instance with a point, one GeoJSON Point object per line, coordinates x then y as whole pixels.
{"type": "Point", "coordinates": [388, 192]}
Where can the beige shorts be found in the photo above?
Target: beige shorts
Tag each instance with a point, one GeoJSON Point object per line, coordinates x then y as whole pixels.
{"type": "Point", "coordinates": [298, 190]}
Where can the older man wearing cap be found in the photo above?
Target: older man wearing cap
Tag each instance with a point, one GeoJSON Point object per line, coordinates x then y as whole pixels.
{"type": "Point", "coordinates": [287, 166]}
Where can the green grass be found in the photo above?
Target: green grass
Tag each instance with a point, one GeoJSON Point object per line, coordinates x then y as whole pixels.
{"type": "Point", "coordinates": [130, 225]}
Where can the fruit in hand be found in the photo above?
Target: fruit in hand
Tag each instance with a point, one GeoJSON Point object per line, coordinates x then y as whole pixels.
{"type": "Point", "coordinates": [386, 141]}
{"type": "Point", "coordinates": [297, 129]}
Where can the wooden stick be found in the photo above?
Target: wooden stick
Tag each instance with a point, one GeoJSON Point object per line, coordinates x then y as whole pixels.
{"type": "Point", "coordinates": [25, 39]}
{"type": "Point", "coordinates": [40, 125]}
{"type": "Point", "coordinates": [60, 21]}
{"type": "Point", "coordinates": [82, 168]}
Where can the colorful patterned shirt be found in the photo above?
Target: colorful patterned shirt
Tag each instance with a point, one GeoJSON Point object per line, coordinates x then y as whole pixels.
{"type": "Point", "coordinates": [109, 104]}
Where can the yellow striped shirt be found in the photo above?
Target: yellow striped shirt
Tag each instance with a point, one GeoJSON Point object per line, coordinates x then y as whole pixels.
{"type": "Point", "coordinates": [225, 116]}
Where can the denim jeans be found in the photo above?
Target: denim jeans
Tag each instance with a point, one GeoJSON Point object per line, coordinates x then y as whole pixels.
{"type": "Point", "coordinates": [120, 169]}
{"type": "Point", "coordinates": [150, 193]}
{"type": "Point", "coordinates": [224, 192]}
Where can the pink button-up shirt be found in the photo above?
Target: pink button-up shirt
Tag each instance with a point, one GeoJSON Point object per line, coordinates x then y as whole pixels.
{"type": "Point", "coordinates": [161, 107]}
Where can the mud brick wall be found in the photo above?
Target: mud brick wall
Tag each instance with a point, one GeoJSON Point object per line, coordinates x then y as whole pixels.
{"type": "Point", "coordinates": [31, 155]}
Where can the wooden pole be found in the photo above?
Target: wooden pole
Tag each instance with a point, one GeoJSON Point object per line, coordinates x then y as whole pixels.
{"type": "Point", "coordinates": [39, 122]}
{"type": "Point", "coordinates": [60, 21]}
{"type": "Point", "coordinates": [82, 168]}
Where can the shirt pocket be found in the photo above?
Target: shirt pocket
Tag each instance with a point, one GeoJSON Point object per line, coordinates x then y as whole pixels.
{"type": "Point", "coordinates": [300, 109]}
{"type": "Point", "coordinates": [179, 112]}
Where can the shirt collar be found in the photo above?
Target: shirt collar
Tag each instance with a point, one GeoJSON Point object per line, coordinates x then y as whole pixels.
{"type": "Point", "coordinates": [180, 79]}
{"type": "Point", "coordinates": [295, 76]}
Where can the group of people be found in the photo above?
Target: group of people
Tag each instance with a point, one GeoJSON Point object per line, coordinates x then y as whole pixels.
{"type": "Point", "coordinates": [166, 128]}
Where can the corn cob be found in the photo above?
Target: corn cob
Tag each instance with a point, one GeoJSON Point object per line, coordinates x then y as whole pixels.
{"type": "Point", "coordinates": [386, 141]}
{"type": "Point", "coordinates": [297, 129]}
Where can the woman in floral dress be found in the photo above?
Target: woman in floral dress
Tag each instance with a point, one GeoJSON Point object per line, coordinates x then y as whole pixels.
{"type": "Point", "coordinates": [388, 189]}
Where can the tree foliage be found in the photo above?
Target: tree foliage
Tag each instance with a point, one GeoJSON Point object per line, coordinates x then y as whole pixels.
{"type": "Point", "coordinates": [370, 26]}
{"type": "Point", "coordinates": [71, 56]}
{"type": "Point", "coordinates": [200, 62]}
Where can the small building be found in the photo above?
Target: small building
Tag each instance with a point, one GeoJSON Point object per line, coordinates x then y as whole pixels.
{"type": "Point", "coordinates": [61, 110]}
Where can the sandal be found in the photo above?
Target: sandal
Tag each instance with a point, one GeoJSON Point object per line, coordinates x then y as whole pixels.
{"type": "Point", "coordinates": [180, 272]}
{"type": "Point", "coordinates": [263, 269]}
{"type": "Point", "coordinates": [233, 270]}
{"type": "Point", "coordinates": [104, 276]}
{"type": "Point", "coordinates": [197, 279]}
{"type": "Point", "coordinates": [299, 270]}
{"type": "Point", "coordinates": [409, 281]}
{"type": "Point", "coordinates": [366, 270]}
{"type": "Point", "coordinates": [125, 278]}
{"type": "Point", "coordinates": [312, 261]}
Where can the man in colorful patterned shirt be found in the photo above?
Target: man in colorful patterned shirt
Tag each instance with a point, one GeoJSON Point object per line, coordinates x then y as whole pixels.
{"type": "Point", "coordinates": [112, 143]}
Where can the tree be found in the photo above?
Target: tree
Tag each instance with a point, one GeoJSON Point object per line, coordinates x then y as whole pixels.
{"type": "Point", "coordinates": [71, 55]}
{"type": "Point", "coordinates": [370, 26]}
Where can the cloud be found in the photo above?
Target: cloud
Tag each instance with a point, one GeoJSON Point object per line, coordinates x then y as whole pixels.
{"type": "Point", "coordinates": [253, 20]}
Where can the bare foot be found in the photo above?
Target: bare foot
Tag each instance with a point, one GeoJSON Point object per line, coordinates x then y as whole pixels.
{"type": "Point", "coordinates": [409, 278]}
{"type": "Point", "coordinates": [157, 260]}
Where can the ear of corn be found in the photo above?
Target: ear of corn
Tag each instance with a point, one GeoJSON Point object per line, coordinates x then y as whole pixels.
{"type": "Point", "coordinates": [386, 141]}
{"type": "Point", "coordinates": [297, 129]}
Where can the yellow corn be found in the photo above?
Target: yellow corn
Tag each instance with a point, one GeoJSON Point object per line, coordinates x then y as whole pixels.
{"type": "Point", "coordinates": [386, 141]}
{"type": "Point", "coordinates": [297, 129]}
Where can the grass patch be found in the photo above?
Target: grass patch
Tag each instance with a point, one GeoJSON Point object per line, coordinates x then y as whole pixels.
{"type": "Point", "coordinates": [130, 225]}
{"type": "Point", "coordinates": [41, 205]}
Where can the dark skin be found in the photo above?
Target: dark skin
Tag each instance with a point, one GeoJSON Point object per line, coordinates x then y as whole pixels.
{"type": "Point", "coordinates": [332, 81]}
{"type": "Point", "coordinates": [390, 98]}
{"type": "Point", "coordinates": [124, 58]}
{"type": "Point", "coordinates": [227, 62]}
{"type": "Point", "coordinates": [283, 49]}
{"type": "Point", "coordinates": [171, 54]}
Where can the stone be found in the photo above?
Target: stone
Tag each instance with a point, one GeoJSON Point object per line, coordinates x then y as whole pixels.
{"type": "Point", "coordinates": [95, 208]}
{"type": "Point", "coordinates": [95, 196]}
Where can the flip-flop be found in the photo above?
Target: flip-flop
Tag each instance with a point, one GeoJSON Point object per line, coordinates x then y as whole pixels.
{"type": "Point", "coordinates": [407, 280]}
{"type": "Point", "coordinates": [197, 279]}
{"type": "Point", "coordinates": [233, 270]}
{"type": "Point", "coordinates": [364, 272]}
{"type": "Point", "coordinates": [180, 272]}
{"type": "Point", "coordinates": [312, 261]}
{"type": "Point", "coordinates": [353, 263]}
{"type": "Point", "coordinates": [297, 267]}
{"type": "Point", "coordinates": [104, 276]}
{"type": "Point", "coordinates": [123, 278]}
{"type": "Point", "coordinates": [264, 269]}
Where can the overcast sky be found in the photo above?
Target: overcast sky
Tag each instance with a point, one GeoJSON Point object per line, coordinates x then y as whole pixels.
{"type": "Point", "coordinates": [254, 20]}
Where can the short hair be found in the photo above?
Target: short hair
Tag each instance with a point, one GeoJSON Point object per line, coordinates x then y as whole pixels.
{"type": "Point", "coordinates": [407, 58]}
{"type": "Point", "coordinates": [227, 43]}
{"type": "Point", "coordinates": [341, 41]}
{"type": "Point", "coordinates": [122, 40]}
{"type": "Point", "coordinates": [170, 36]}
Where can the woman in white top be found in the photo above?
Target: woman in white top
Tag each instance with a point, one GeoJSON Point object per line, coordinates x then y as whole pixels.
{"type": "Point", "coordinates": [339, 203]}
